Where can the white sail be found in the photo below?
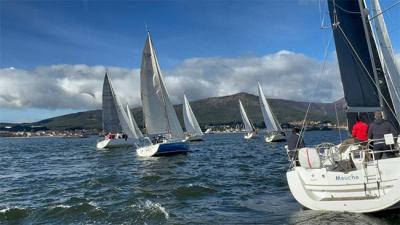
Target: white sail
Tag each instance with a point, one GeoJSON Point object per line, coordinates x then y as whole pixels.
{"type": "Point", "coordinates": [158, 112]}
{"type": "Point", "coordinates": [133, 123]}
{"type": "Point", "coordinates": [191, 124]}
{"type": "Point", "coordinates": [114, 117]}
{"type": "Point", "coordinates": [270, 122]}
{"type": "Point", "coordinates": [247, 125]}
{"type": "Point", "coordinates": [392, 74]}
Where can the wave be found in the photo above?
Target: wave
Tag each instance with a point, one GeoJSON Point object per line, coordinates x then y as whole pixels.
{"type": "Point", "coordinates": [149, 208]}
{"type": "Point", "coordinates": [60, 206]}
{"type": "Point", "coordinates": [14, 213]}
{"type": "Point", "coordinates": [193, 191]}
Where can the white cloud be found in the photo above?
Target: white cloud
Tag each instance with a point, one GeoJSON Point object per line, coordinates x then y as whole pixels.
{"type": "Point", "coordinates": [283, 74]}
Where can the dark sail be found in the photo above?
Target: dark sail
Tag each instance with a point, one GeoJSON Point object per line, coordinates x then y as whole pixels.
{"type": "Point", "coordinates": [109, 114]}
{"type": "Point", "coordinates": [356, 68]}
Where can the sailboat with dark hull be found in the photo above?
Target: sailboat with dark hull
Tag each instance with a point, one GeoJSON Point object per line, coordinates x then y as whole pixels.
{"type": "Point", "coordinates": [352, 179]}
{"type": "Point", "coordinates": [161, 122]}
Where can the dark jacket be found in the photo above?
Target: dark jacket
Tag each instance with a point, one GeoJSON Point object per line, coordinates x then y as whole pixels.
{"type": "Point", "coordinates": [292, 142]}
{"type": "Point", "coordinates": [379, 128]}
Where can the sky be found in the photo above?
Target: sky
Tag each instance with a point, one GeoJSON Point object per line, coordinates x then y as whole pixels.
{"type": "Point", "coordinates": [53, 54]}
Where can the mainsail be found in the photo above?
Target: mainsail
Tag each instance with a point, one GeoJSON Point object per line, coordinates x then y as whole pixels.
{"type": "Point", "coordinates": [191, 124]}
{"type": "Point", "coordinates": [247, 125]}
{"type": "Point", "coordinates": [158, 112]}
{"type": "Point", "coordinates": [362, 76]}
{"type": "Point", "coordinates": [391, 71]}
{"type": "Point", "coordinates": [270, 121]}
{"type": "Point", "coordinates": [133, 123]}
{"type": "Point", "coordinates": [113, 115]}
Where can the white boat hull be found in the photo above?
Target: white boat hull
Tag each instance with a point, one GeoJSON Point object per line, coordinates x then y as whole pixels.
{"type": "Point", "coordinates": [250, 136]}
{"type": "Point", "coordinates": [115, 143]}
{"type": "Point", "coordinates": [320, 189]}
{"type": "Point", "coordinates": [161, 149]}
{"type": "Point", "coordinates": [194, 138]}
{"type": "Point", "coordinates": [274, 138]}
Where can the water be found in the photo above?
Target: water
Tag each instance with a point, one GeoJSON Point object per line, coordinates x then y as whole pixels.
{"type": "Point", "coordinates": [223, 180]}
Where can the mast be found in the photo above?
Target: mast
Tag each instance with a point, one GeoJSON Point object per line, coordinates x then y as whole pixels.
{"type": "Point", "coordinates": [365, 20]}
{"type": "Point", "coordinates": [391, 71]}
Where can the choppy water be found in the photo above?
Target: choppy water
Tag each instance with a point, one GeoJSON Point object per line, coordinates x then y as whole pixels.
{"type": "Point", "coordinates": [223, 180]}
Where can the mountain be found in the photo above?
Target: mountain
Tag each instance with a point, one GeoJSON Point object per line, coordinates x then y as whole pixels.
{"type": "Point", "coordinates": [213, 111]}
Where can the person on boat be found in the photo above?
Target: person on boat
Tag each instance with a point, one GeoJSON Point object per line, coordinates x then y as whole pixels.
{"type": "Point", "coordinates": [360, 130]}
{"type": "Point", "coordinates": [110, 136]}
{"type": "Point", "coordinates": [295, 142]}
{"type": "Point", "coordinates": [377, 130]}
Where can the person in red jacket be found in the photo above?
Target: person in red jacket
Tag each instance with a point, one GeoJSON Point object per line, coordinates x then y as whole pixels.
{"type": "Point", "coordinates": [360, 130]}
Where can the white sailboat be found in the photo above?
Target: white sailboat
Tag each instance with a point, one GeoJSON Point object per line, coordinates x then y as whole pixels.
{"type": "Point", "coordinates": [249, 128]}
{"type": "Point", "coordinates": [208, 131]}
{"type": "Point", "coordinates": [274, 130]}
{"type": "Point", "coordinates": [193, 130]}
{"type": "Point", "coordinates": [325, 178]}
{"type": "Point", "coordinates": [160, 118]}
{"type": "Point", "coordinates": [115, 120]}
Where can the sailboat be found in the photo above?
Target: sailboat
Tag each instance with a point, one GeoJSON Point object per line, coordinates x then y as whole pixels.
{"type": "Point", "coordinates": [161, 121]}
{"type": "Point", "coordinates": [250, 130]}
{"type": "Point", "coordinates": [208, 131]}
{"type": "Point", "coordinates": [353, 180]}
{"type": "Point", "coordinates": [274, 130]}
{"type": "Point", "coordinates": [193, 130]}
{"type": "Point", "coordinates": [115, 120]}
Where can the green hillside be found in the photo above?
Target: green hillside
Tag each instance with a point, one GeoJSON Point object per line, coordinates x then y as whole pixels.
{"type": "Point", "coordinates": [211, 111]}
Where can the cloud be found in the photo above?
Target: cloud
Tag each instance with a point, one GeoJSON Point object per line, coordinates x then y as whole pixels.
{"type": "Point", "coordinates": [63, 86]}
{"type": "Point", "coordinates": [283, 74]}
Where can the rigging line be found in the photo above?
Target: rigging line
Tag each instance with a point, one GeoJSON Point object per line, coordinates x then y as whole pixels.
{"type": "Point", "coordinates": [383, 11]}
{"type": "Point", "coordinates": [369, 75]}
{"type": "Point", "coordinates": [337, 123]}
{"type": "Point", "coordinates": [302, 131]}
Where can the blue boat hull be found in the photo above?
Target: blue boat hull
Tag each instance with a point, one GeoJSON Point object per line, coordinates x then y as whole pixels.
{"type": "Point", "coordinates": [172, 148]}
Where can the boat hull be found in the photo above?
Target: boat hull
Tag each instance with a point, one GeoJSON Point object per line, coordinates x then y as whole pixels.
{"type": "Point", "coordinates": [248, 136]}
{"type": "Point", "coordinates": [319, 189]}
{"type": "Point", "coordinates": [162, 149]}
{"type": "Point", "coordinates": [194, 138]}
{"type": "Point", "coordinates": [115, 143]}
{"type": "Point", "coordinates": [274, 138]}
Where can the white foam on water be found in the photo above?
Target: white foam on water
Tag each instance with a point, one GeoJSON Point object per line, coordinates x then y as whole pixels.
{"type": "Point", "coordinates": [156, 206]}
{"type": "Point", "coordinates": [149, 205]}
{"type": "Point", "coordinates": [92, 203]}
{"type": "Point", "coordinates": [60, 206]}
{"type": "Point", "coordinates": [6, 209]}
